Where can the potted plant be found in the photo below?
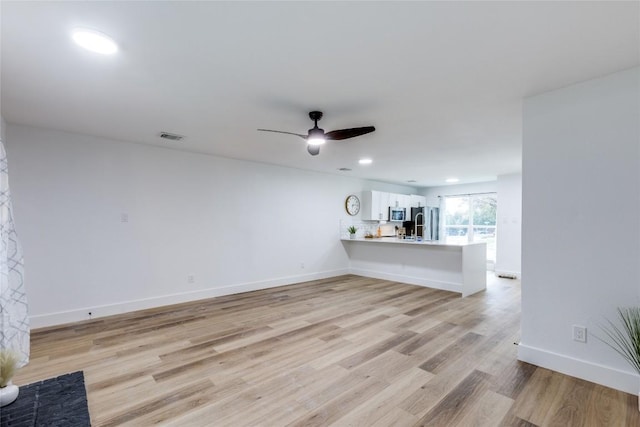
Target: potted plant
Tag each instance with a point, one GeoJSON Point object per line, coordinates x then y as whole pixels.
{"type": "Point", "coordinates": [352, 232]}
{"type": "Point", "coordinates": [8, 367]}
{"type": "Point", "coordinates": [625, 339]}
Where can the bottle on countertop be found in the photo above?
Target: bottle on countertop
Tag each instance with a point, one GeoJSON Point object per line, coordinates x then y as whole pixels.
{"type": "Point", "coordinates": [379, 232]}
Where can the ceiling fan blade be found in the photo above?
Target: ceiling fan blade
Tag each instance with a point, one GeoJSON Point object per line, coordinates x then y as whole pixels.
{"type": "Point", "coordinates": [348, 133]}
{"type": "Point", "coordinates": [280, 131]}
{"type": "Point", "coordinates": [314, 150]}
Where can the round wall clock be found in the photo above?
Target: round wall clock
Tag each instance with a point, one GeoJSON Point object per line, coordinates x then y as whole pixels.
{"type": "Point", "coordinates": [352, 205]}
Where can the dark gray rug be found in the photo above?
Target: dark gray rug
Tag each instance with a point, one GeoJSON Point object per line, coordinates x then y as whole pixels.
{"type": "Point", "coordinates": [60, 401]}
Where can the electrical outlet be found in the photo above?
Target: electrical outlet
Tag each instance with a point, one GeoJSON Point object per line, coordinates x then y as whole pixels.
{"type": "Point", "coordinates": [579, 333]}
{"type": "Point", "coordinates": [124, 217]}
{"type": "Point", "coordinates": [302, 265]}
{"type": "Point", "coordinates": [191, 279]}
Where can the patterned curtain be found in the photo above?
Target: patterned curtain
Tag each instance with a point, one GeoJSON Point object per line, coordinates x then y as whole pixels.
{"type": "Point", "coordinates": [14, 320]}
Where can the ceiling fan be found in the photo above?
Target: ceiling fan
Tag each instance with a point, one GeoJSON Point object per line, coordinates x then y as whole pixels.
{"type": "Point", "coordinates": [316, 136]}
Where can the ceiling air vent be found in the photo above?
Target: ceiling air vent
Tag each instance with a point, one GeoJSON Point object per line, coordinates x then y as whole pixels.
{"type": "Point", "coordinates": [344, 169]}
{"type": "Point", "coordinates": [171, 136]}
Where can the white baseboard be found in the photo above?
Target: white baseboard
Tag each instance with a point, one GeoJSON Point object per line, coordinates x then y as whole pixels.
{"type": "Point", "coordinates": [436, 284]}
{"type": "Point", "coordinates": [589, 371]}
{"type": "Point", "coordinates": [62, 317]}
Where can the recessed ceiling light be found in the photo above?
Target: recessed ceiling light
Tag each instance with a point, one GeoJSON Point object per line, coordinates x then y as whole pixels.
{"type": "Point", "coordinates": [365, 161]}
{"type": "Point", "coordinates": [95, 41]}
{"type": "Point", "coordinates": [452, 180]}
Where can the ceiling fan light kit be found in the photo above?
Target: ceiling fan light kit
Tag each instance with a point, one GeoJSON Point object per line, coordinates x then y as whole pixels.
{"type": "Point", "coordinates": [317, 136]}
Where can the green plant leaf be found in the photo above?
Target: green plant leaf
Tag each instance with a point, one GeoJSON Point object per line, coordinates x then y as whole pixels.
{"type": "Point", "coordinates": [625, 337]}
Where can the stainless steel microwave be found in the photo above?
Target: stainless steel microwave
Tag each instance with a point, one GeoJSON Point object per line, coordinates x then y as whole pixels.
{"type": "Point", "coordinates": [397, 214]}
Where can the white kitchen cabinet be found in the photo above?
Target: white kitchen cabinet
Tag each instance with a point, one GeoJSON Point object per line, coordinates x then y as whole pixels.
{"type": "Point", "coordinates": [404, 201]}
{"type": "Point", "coordinates": [375, 206]}
{"type": "Point", "coordinates": [418, 201]}
{"type": "Point", "coordinates": [384, 204]}
{"type": "Point", "coordinates": [399, 200]}
{"type": "Point", "coordinates": [393, 199]}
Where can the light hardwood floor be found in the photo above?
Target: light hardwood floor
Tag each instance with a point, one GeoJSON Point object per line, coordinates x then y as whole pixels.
{"type": "Point", "coordinates": [346, 351]}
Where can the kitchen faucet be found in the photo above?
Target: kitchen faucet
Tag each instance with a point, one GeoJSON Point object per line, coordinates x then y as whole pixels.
{"type": "Point", "coordinates": [415, 228]}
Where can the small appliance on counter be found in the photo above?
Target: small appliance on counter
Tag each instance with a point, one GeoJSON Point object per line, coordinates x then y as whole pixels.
{"type": "Point", "coordinates": [387, 230]}
{"type": "Point", "coordinates": [409, 226]}
{"type": "Point", "coordinates": [397, 214]}
{"type": "Point", "coordinates": [402, 232]}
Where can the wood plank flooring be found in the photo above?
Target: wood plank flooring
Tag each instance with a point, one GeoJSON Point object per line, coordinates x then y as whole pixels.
{"type": "Point", "coordinates": [346, 351]}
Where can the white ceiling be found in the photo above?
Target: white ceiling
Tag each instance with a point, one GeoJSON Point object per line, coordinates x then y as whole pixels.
{"type": "Point", "coordinates": [443, 82]}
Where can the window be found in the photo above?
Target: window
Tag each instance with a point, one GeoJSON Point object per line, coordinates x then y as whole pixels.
{"type": "Point", "coordinates": [472, 218]}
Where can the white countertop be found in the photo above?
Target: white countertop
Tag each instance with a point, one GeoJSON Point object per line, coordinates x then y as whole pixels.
{"type": "Point", "coordinates": [395, 240]}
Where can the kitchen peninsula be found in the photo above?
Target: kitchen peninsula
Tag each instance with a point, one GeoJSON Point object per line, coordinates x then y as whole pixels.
{"type": "Point", "coordinates": [452, 267]}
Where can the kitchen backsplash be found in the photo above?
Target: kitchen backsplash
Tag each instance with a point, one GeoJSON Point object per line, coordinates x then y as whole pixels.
{"type": "Point", "coordinates": [365, 227]}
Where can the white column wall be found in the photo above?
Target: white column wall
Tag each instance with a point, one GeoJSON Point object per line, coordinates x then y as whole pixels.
{"type": "Point", "coordinates": [581, 224]}
{"type": "Point", "coordinates": [232, 225]}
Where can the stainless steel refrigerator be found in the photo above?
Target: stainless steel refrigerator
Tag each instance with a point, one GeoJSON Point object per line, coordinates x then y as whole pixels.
{"type": "Point", "coordinates": [427, 224]}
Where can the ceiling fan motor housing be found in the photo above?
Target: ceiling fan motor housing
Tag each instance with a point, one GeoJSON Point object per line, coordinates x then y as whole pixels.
{"type": "Point", "coordinates": [315, 116]}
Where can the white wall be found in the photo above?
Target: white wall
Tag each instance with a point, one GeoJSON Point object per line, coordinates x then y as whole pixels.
{"type": "Point", "coordinates": [434, 194]}
{"type": "Point", "coordinates": [581, 223]}
{"type": "Point", "coordinates": [3, 129]}
{"type": "Point", "coordinates": [233, 225]}
{"type": "Point", "coordinates": [509, 237]}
